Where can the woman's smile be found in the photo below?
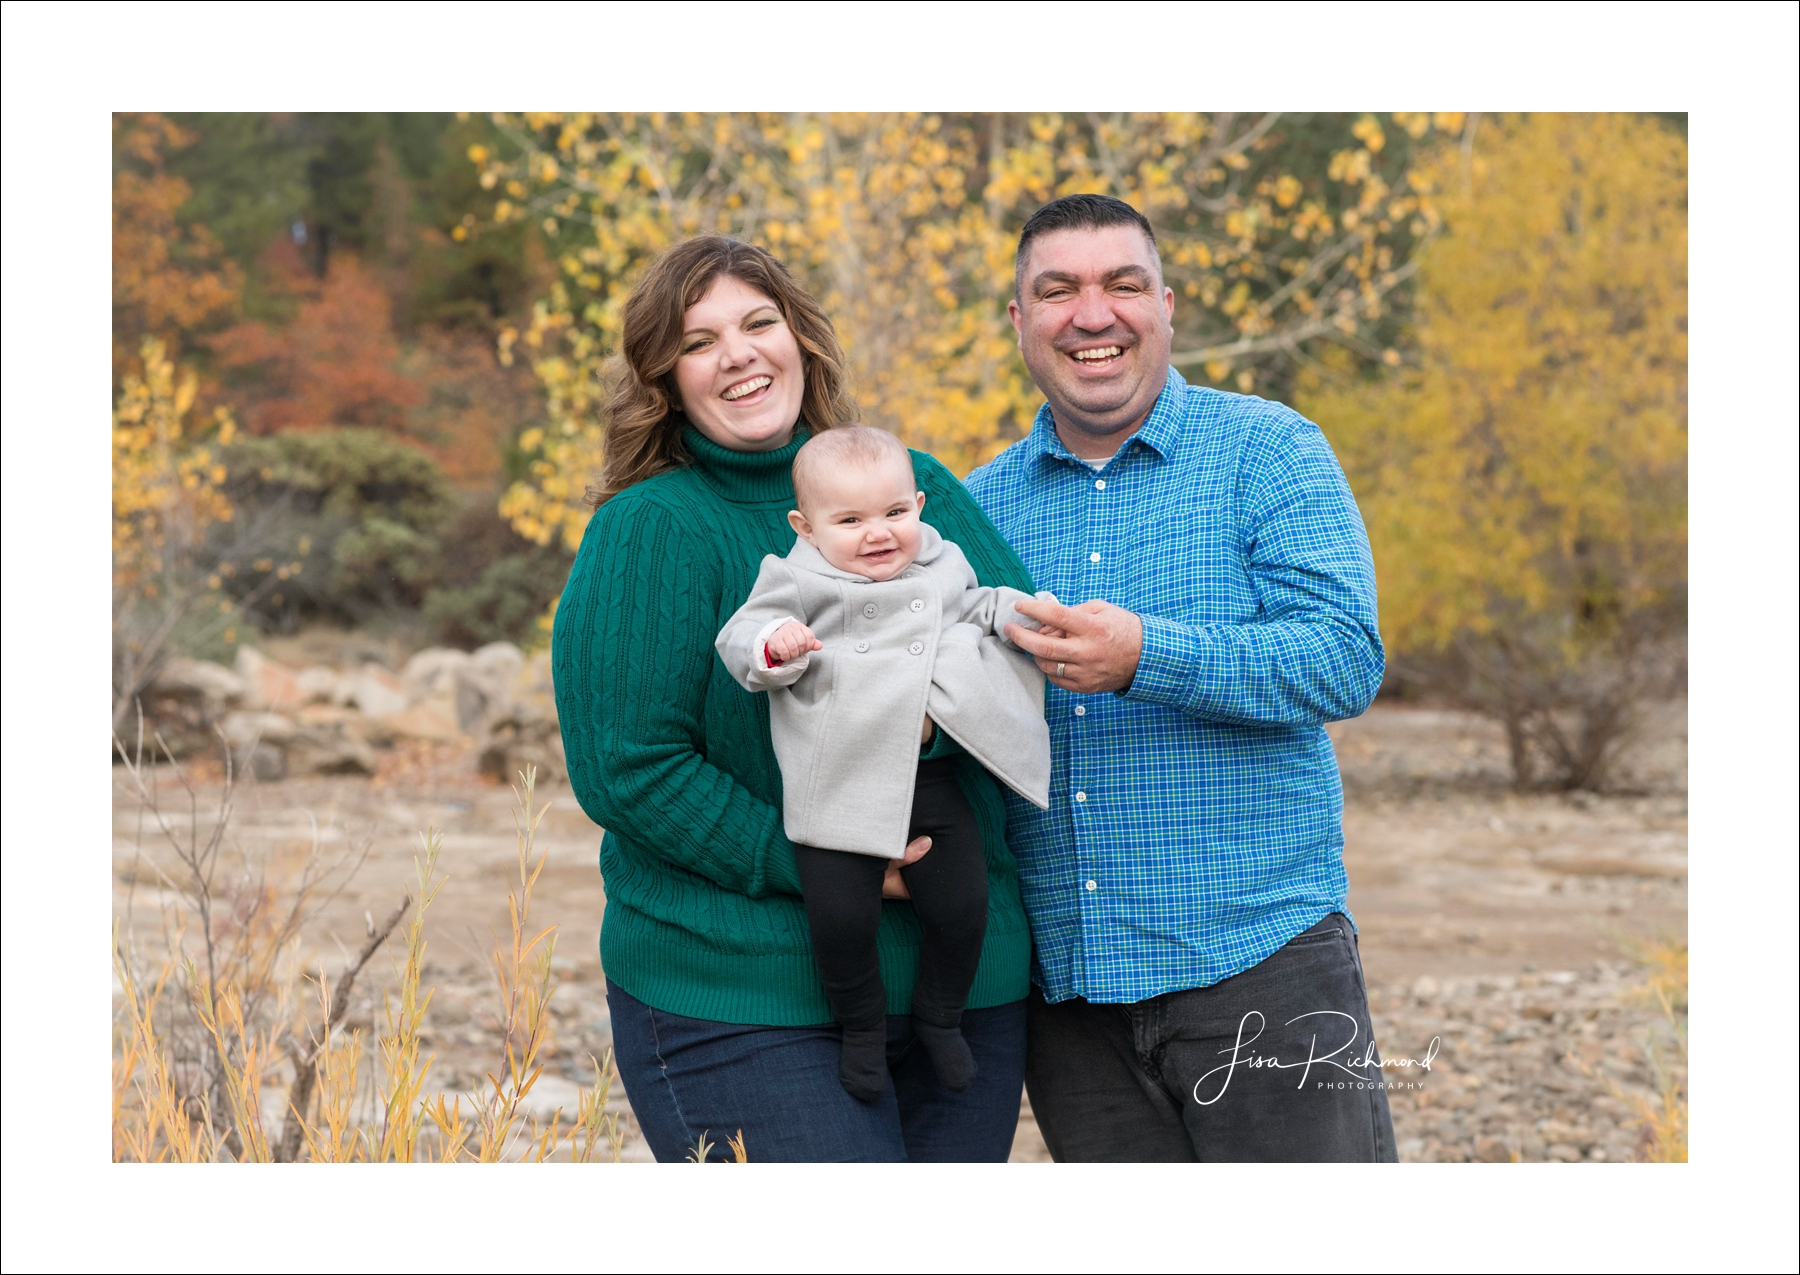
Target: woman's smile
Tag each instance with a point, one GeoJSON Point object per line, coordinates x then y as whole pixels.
{"type": "Point", "coordinates": [747, 389]}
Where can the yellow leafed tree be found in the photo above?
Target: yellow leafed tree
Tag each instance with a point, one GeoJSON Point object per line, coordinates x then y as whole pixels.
{"type": "Point", "coordinates": [1524, 484]}
{"type": "Point", "coordinates": [904, 227]}
{"type": "Point", "coordinates": [166, 493]}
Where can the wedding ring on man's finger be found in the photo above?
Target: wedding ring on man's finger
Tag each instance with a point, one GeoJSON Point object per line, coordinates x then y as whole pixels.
{"type": "Point", "coordinates": [1060, 666]}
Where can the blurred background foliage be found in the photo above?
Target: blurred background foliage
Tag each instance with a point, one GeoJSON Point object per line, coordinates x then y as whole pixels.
{"type": "Point", "coordinates": [358, 357]}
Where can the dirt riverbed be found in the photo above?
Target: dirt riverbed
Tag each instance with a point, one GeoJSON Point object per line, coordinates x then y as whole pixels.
{"type": "Point", "coordinates": [1502, 935]}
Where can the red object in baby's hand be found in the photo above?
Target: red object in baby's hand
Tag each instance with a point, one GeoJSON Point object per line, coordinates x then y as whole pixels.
{"type": "Point", "coordinates": [769, 657]}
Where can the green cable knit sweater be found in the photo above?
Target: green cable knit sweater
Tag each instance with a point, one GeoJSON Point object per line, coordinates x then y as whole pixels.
{"type": "Point", "coordinates": [672, 757]}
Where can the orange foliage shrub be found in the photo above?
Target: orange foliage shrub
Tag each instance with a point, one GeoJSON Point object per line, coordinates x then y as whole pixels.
{"type": "Point", "coordinates": [333, 365]}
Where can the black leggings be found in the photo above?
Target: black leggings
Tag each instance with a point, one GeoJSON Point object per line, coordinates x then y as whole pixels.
{"type": "Point", "coordinates": [949, 891]}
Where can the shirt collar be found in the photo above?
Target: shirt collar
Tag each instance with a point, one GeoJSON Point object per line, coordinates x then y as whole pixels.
{"type": "Point", "coordinates": [1160, 432]}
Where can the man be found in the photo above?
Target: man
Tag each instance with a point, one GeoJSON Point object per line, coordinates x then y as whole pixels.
{"type": "Point", "coordinates": [1197, 993]}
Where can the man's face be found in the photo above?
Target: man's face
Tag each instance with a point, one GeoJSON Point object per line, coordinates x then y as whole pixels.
{"type": "Point", "coordinates": [1093, 324]}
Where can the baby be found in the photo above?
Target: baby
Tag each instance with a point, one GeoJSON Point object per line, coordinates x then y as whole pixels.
{"type": "Point", "coordinates": [884, 659]}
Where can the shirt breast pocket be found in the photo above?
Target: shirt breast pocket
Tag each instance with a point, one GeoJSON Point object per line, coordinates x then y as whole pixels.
{"type": "Point", "coordinates": [1179, 561]}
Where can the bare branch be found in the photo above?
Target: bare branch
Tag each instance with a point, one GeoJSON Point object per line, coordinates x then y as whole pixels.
{"type": "Point", "coordinates": [306, 1065]}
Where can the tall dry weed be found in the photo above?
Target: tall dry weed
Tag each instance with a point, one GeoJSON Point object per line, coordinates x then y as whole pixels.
{"type": "Point", "coordinates": [1661, 1116]}
{"type": "Point", "coordinates": [199, 1037]}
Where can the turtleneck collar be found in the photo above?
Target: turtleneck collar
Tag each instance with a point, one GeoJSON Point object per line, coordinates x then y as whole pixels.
{"type": "Point", "coordinates": [746, 478]}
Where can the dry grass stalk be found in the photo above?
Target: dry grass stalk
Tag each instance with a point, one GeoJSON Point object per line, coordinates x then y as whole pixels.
{"type": "Point", "coordinates": [403, 1074]}
{"type": "Point", "coordinates": [243, 1055]}
{"type": "Point", "coordinates": [522, 972]}
{"type": "Point", "coordinates": [592, 1123]}
{"type": "Point", "coordinates": [1661, 1117]}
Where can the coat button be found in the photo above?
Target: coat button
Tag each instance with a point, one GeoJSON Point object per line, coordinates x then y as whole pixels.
{"type": "Point", "coordinates": [870, 610]}
{"type": "Point", "coordinates": [918, 604]}
{"type": "Point", "coordinates": [862, 646]}
{"type": "Point", "coordinates": [916, 647]}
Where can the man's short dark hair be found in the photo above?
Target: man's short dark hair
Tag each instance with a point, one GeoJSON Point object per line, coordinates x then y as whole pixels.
{"type": "Point", "coordinates": [1075, 212]}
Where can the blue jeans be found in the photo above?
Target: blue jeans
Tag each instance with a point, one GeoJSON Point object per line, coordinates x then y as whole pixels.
{"type": "Point", "coordinates": [689, 1077]}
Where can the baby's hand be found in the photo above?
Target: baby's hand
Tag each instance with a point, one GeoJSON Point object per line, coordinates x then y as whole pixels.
{"type": "Point", "coordinates": [1051, 631]}
{"type": "Point", "coordinates": [791, 641]}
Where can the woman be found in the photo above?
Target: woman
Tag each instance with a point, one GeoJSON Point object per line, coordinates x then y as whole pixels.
{"type": "Point", "coordinates": [720, 1024]}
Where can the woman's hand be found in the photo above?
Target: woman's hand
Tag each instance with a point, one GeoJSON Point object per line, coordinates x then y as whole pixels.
{"type": "Point", "coordinates": [893, 885]}
{"type": "Point", "coordinates": [791, 641]}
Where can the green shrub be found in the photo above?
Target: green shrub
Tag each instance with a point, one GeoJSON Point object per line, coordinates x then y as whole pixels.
{"type": "Point", "coordinates": [361, 511]}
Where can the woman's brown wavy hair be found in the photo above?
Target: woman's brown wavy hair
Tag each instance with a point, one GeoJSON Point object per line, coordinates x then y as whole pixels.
{"type": "Point", "coordinates": [643, 414]}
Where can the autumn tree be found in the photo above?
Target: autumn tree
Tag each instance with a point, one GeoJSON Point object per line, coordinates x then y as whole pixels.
{"type": "Point", "coordinates": [904, 227]}
{"type": "Point", "coordinates": [167, 493]}
{"type": "Point", "coordinates": [1524, 481]}
{"type": "Point", "coordinates": [170, 279]}
{"type": "Point", "coordinates": [333, 363]}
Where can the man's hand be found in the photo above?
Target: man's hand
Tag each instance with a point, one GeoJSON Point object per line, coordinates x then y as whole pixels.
{"type": "Point", "coordinates": [791, 641]}
{"type": "Point", "coordinates": [893, 885]}
{"type": "Point", "coordinates": [1098, 648]}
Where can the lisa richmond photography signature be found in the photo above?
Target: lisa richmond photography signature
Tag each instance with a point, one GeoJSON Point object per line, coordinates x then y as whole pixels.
{"type": "Point", "coordinates": [1353, 1065]}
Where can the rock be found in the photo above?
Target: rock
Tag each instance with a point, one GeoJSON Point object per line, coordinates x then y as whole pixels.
{"type": "Point", "coordinates": [422, 721]}
{"type": "Point", "coordinates": [200, 679]}
{"type": "Point", "coordinates": [1425, 988]}
{"type": "Point", "coordinates": [486, 687]}
{"type": "Point", "coordinates": [317, 684]}
{"type": "Point", "coordinates": [246, 730]}
{"type": "Point", "coordinates": [513, 745]}
{"type": "Point", "coordinates": [264, 763]}
{"type": "Point", "coordinates": [268, 684]}
{"type": "Point", "coordinates": [1492, 1151]}
{"type": "Point", "coordinates": [432, 673]}
{"type": "Point", "coordinates": [326, 715]}
{"type": "Point", "coordinates": [378, 692]}
{"type": "Point", "coordinates": [503, 659]}
{"type": "Point", "coordinates": [339, 753]}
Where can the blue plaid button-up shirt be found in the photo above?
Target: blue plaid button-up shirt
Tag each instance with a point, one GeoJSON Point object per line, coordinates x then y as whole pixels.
{"type": "Point", "coordinates": [1195, 822]}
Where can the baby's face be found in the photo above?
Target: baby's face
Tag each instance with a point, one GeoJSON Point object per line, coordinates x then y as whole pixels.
{"type": "Point", "coordinates": [864, 519]}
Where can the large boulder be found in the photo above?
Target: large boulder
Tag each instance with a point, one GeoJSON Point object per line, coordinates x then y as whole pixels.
{"type": "Point", "coordinates": [525, 732]}
{"type": "Point", "coordinates": [200, 680]}
{"type": "Point", "coordinates": [243, 730]}
{"type": "Point", "coordinates": [268, 683]}
{"type": "Point", "coordinates": [487, 685]}
{"type": "Point", "coordinates": [378, 692]}
{"type": "Point", "coordinates": [317, 684]}
{"type": "Point", "coordinates": [182, 707]}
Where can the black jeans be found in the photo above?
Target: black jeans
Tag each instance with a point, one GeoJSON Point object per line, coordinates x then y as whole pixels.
{"type": "Point", "coordinates": [1277, 1063]}
{"type": "Point", "coordinates": [949, 891]}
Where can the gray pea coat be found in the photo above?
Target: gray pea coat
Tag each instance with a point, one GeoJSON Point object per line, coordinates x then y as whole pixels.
{"type": "Point", "coordinates": [845, 719]}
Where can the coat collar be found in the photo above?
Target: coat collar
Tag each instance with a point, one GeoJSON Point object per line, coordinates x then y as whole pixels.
{"type": "Point", "coordinates": [806, 557]}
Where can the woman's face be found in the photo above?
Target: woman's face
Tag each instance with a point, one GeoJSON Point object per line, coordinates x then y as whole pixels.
{"type": "Point", "coordinates": [740, 373]}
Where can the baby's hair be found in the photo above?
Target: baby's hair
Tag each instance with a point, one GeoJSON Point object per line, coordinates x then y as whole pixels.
{"type": "Point", "coordinates": [847, 444]}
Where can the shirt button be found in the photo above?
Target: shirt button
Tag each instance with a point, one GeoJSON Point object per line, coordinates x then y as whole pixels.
{"type": "Point", "coordinates": [918, 604]}
{"type": "Point", "coordinates": [1099, 484]}
{"type": "Point", "coordinates": [870, 610]}
{"type": "Point", "coordinates": [1093, 885]}
{"type": "Point", "coordinates": [1093, 557]}
{"type": "Point", "coordinates": [1081, 796]}
{"type": "Point", "coordinates": [916, 647]}
{"type": "Point", "coordinates": [862, 646]}
{"type": "Point", "coordinates": [1081, 710]}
